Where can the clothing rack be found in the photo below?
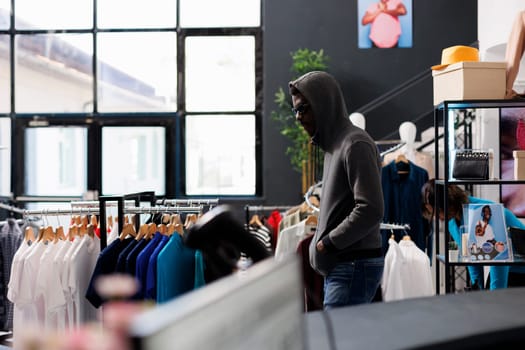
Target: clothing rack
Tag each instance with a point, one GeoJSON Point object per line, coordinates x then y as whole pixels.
{"type": "Point", "coordinates": [12, 208]}
{"type": "Point", "coordinates": [122, 211]}
{"type": "Point", "coordinates": [95, 204]}
{"type": "Point", "coordinates": [393, 148]}
{"type": "Point", "coordinates": [188, 202]}
{"type": "Point", "coordinates": [252, 208]}
{"type": "Point", "coordinates": [385, 226]}
{"type": "Point", "coordinates": [127, 210]}
{"type": "Point", "coordinates": [18, 221]}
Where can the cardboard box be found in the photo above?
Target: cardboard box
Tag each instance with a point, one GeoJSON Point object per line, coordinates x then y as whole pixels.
{"type": "Point", "coordinates": [470, 81]}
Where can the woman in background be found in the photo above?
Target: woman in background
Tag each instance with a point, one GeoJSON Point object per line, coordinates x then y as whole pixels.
{"type": "Point", "coordinates": [500, 276]}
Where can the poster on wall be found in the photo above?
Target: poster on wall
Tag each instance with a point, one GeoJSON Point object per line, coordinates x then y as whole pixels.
{"type": "Point", "coordinates": [512, 138]}
{"type": "Point", "coordinates": [487, 233]}
{"type": "Point", "coordinates": [384, 24]}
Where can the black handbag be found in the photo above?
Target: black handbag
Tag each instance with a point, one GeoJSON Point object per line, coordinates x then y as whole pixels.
{"type": "Point", "coordinates": [471, 165]}
{"type": "Point", "coordinates": [517, 236]}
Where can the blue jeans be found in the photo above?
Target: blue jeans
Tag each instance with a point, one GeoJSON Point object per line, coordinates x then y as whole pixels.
{"type": "Point", "coordinates": [353, 282]}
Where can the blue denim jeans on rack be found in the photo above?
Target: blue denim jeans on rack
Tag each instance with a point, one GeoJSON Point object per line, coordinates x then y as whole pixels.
{"type": "Point", "coordinates": [353, 282]}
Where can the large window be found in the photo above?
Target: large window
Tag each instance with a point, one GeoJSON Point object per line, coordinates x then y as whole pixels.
{"type": "Point", "coordinates": [126, 96]}
{"type": "Point", "coordinates": [133, 159]}
{"type": "Point", "coordinates": [55, 161]}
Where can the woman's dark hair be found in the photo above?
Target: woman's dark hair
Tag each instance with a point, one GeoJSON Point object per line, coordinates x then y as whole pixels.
{"type": "Point", "coordinates": [455, 195]}
{"type": "Point", "coordinates": [483, 211]}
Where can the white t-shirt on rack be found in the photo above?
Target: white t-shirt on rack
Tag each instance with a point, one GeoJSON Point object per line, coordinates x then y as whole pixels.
{"type": "Point", "coordinates": [48, 286]}
{"type": "Point", "coordinates": [32, 309]}
{"type": "Point", "coordinates": [65, 271]}
{"type": "Point", "coordinates": [82, 263]}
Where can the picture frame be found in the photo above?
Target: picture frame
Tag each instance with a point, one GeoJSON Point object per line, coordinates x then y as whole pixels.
{"type": "Point", "coordinates": [487, 232]}
{"type": "Point", "coordinates": [403, 23]}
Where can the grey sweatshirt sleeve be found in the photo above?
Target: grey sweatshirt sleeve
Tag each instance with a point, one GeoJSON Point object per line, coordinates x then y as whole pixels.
{"type": "Point", "coordinates": [363, 170]}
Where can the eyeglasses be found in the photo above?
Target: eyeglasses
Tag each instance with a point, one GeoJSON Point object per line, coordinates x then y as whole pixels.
{"type": "Point", "coordinates": [301, 109]}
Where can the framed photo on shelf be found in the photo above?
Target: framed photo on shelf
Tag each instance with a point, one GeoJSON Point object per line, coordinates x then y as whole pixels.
{"type": "Point", "coordinates": [487, 233]}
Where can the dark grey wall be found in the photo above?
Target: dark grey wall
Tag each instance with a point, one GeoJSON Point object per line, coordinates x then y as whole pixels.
{"type": "Point", "coordinates": [364, 74]}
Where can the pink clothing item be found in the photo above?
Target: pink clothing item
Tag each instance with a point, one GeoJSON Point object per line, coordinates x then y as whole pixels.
{"type": "Point", "coordinates": [386, 29]}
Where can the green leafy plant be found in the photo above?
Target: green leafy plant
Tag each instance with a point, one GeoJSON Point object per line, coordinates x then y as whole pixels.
{"type": "Point", "coordinates": [303, 61]}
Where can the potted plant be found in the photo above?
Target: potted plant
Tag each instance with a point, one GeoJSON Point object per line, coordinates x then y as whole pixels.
{"type": "Point", "coordinates": [302, 156]}
{"type": "Point", "coordinates": [453, 252]}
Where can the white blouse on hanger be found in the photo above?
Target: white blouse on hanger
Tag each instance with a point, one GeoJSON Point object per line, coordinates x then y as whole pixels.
{"type": "Point", "coordinates": [407, 272]}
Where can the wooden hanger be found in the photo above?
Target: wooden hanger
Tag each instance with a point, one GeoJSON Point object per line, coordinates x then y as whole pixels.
{"type": "Point", "coordinates": [162, 229]}
{"type": "Point", "coordinates": [402, 164]}
{"type": "Point", "coordinates": [255, 221]}
{"type": "Point", "coordinates": [93, 221]}
{"type": "Point", "coordinates": [143, 231]}
{"type": "Point", "coordinates": [175, 225]}
{"type": "Point", "coordinates": [59, 234]}
{"type": "Point", "coordinates": [90, 230]}
{"type": "Point", "coordinates": [110, 221]}
{"type": "Point", "coordinates": [72, 232]}
{"type": "Point", "coordinates": [127, 230]}
{"type": "Point", "coordinates": [29, 234]}
{"type": "Point", "coordinates": [46, 234]}
{"type": "Point", "coordinates": [175, 219]}
{"type": "Point", "coordinates": [179, 228]}
{"type": "Point", "coordinates": [152, 229]}
{"type": "Point", "coordinates": [190, 220]}
{"type": "Point", "coordinates": [311, 220]}
{"type": "Point", "coordinates": [406, 238]}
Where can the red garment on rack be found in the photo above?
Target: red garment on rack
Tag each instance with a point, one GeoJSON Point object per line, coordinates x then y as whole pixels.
{"type": "Point", "coordinates": [313, 282]}
{"type": "Point", "coordinates": [273, 221]}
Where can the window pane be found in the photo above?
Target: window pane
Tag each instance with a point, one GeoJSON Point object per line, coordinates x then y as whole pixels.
{"type": "Point", "coordinates": [137, 72]}
{"type": "Point", "coordinates": [220, 163]}
{"type": "Point", "coordinates": [5, 11]}
{"type": "Point", "coordinates": [137, 14]}
{"type": "Point", "coordinates": [225, 13]}
{"type": "Point", "coordinates": [220, 73]}
{"type": "Point", "coordinates": [5, 75]}
{"type": "Point", "coordinates": [54, 73]}
{"type": "Point", "coordinates": [133, 160]}
{"type": "Point", "coordinates": [55, 161]}
{"type": "Point", "coordinates": [54, 14]}
{"type": "Point", "coordinates": [5, 156]}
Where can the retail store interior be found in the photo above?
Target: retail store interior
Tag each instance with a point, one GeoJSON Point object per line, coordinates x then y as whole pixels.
{"type": "Point", "coordinates": [157, 189]}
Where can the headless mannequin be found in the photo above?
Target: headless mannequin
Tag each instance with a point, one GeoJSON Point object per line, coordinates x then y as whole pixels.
{"type": "Point", "coordinates": [358, 120]}
{"type": "Point", "coordinates": [407, 133]}
{"type": "Point", "coordinates": [514, 52]}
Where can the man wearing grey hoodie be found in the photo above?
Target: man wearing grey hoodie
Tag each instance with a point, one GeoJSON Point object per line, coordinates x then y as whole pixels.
{"type": "Point", "coordinates": [346, 248]}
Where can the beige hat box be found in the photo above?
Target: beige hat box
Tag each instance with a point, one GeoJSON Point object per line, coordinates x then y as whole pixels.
{"type": "Point", "coordinates": [470, 81]}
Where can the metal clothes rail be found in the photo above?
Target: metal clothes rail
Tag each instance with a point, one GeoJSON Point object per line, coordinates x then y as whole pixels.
{"type": "Point", "coordinates": [188, 202]}
{"type": "Point", "coordinates": [385, 226]}
{"type": "Point", "coordinates": [12, 208]}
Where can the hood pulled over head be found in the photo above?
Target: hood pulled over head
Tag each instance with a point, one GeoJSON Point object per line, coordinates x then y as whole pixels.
{"type": "Point", "coordinates": [327, 102]}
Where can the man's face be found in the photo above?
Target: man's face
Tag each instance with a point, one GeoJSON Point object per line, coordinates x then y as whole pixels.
{"type": "Point", "coordinates": [304, 113]}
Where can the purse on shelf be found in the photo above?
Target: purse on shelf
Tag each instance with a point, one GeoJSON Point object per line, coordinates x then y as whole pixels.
{"type": "Point", "coordinates": [471, 165]}
{"type": "Point", "coordinates": [517, 237]}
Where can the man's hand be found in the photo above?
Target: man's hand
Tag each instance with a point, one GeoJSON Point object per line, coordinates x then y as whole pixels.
{"type": "Point", "coordinates": [320, 246]}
